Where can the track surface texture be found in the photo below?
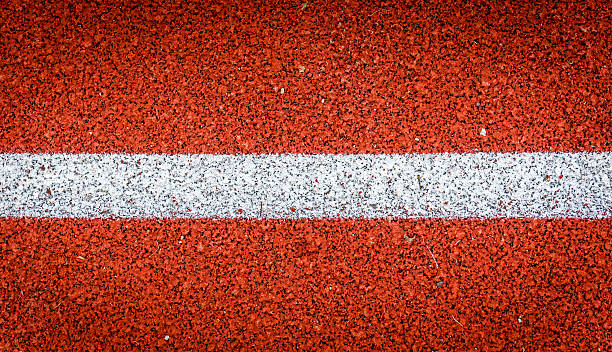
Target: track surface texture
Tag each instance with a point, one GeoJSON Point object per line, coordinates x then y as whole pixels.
{"type": "Point", "coordinates": [338, 77]}
{"type": "Point", "coordinates": [327, 77]}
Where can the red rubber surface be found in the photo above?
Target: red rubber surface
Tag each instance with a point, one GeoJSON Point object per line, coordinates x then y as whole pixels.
{"type": "Point", "coordinates": [285, 285]}
{"type": "Point", "coordinates": [207, 78]}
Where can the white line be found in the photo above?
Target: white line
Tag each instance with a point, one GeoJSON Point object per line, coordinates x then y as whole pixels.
{"type": "Point", "coordinates": [483, 185]}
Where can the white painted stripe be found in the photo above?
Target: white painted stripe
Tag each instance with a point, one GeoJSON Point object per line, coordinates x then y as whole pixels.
{"type": "Point", "coordinates": [483, 185]}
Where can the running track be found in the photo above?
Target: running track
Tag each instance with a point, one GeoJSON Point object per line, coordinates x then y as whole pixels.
{"type": "Point", "coordinates": [249, 81]}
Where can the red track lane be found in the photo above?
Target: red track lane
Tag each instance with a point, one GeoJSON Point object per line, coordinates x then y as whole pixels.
{"type": "Point", "coordinates": [207, 78]}
{"type": "Point", "coordinates": [295, 285]}
{"type": "Point", "coordinates": [330, 77]}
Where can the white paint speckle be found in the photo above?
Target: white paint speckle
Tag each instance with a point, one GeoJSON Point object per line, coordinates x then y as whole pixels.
{"type": "Point", "coordinates": [483, 132]}
{"type": "Point", "coordinates": [166, 337]}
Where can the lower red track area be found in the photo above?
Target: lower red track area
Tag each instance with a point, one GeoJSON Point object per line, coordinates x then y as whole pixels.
{"type": "Point", "coordinates": [289, 285]}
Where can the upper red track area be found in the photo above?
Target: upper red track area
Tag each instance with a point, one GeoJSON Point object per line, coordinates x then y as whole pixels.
{"type": "Point", "coordinates": [314, 77]}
